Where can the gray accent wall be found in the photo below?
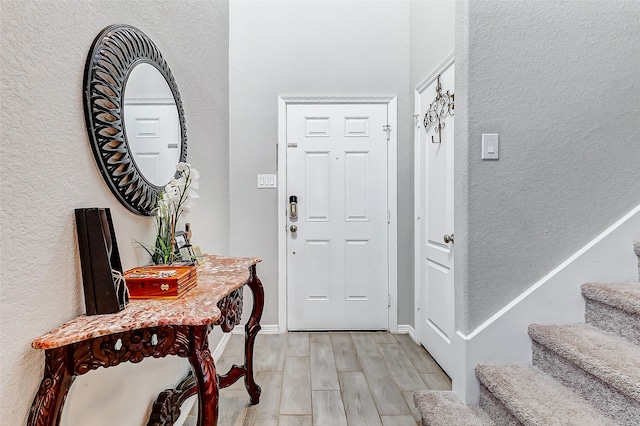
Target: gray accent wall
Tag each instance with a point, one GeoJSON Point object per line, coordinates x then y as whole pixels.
{"type": "Point", "coordinates": [47, 169]}
{"type": "Point", "coordinates": [559, 82]}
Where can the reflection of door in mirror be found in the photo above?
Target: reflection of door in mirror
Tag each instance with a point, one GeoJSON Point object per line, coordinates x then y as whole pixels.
{"type": "Point", "coordinates": [152, 124]}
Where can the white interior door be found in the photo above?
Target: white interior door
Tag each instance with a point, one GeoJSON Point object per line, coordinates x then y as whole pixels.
{"type": "Point", "coordinates": [435, 220]}
{"type": "Point", "coordinates": [153, 134]}
{"type": "Point", "coordinates": [337, 260]}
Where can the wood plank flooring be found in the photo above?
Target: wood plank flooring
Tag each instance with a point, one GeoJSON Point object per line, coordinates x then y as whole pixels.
{"type": "Point", "coordinates": [327, 379]}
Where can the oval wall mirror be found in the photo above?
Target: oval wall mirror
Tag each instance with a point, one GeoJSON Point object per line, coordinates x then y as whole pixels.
{"type": "Point", "coordinates": [134, 116]}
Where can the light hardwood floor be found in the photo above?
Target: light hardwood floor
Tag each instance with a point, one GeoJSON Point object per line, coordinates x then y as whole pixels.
{"type": "Point", "coordinates": [326, 379]}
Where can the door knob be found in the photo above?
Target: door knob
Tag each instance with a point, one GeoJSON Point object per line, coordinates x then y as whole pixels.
{"type": "Point", "coordinates": [448, 238]}
{"type": "Point", "coordinates": [293, 228]}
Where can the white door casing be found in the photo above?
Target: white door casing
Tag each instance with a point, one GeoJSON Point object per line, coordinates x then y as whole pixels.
{"type": "Point", "coordinates": [338, 269]}
{"type": "Point", "coordinates": [434, 219]}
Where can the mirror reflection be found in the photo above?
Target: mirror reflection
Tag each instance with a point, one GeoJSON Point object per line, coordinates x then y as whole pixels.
{"type": "Point", "coordinates": [152, 124]}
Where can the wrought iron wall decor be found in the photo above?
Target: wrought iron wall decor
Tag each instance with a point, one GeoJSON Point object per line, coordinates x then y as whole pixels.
{"type": "Point", "coordinates": [440, 108]}
{"type": "Point", "coordinates": [113, 55]}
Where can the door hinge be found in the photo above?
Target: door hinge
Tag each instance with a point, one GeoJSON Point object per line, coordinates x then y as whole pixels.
{"type": "Point", "coordinates": [388, 216]}
{"type": "Point", "coordinates": [388, 300]}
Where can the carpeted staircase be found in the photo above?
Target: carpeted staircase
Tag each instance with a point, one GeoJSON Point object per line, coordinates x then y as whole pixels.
{"type": "Point", "coordinates": [582, 374]}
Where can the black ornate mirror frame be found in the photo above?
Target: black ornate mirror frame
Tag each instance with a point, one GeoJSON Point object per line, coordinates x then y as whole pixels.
{"type": "Point", "coordinates": [114, 53]}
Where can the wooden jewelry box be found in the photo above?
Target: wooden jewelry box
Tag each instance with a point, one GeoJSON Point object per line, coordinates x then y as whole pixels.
{"type": "Point", "coordinates": [160, 282]}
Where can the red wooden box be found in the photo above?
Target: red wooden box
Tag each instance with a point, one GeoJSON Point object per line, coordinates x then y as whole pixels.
{"type": "Point", "coordinates": [160, 282]}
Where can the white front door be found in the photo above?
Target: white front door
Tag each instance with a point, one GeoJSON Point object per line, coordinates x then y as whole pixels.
{"type": "Point", "coordinates": [337, 260]}
{"type": "Point", "coordinates": [435, 220]}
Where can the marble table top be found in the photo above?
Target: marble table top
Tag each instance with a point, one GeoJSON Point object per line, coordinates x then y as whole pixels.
{"type": "Point", "coordinates": [218, 277]}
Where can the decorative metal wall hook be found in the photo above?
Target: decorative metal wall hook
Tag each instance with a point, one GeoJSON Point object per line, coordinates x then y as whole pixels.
{"type": "Point", "coordinates": [441, 107]}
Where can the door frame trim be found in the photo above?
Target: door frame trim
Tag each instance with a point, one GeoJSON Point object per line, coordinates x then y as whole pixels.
{"type": "Point", "coordinates": [418, 214]}
{"type": "Point", "coordinates": [392, 188]}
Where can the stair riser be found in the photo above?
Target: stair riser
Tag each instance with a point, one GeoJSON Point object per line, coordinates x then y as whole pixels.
{"type": "Point", "coordinates": [625, 410]}
{"type": "Point", "coordinates": [496, 410]}
{"type": "Point", "coordinates": [614, 320]}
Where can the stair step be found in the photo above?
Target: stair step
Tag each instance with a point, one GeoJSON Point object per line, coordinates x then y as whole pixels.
{"type": "Point", "coordinates": [523, 394]}
{"type": "Point", "coordinates": [444, 408]}
{"type": "Point", "coordinates": [601, 367]}
{"type": "Point", "coordinates": [623, 296]}
{"type": "Point", "coordinates": [614, 308]}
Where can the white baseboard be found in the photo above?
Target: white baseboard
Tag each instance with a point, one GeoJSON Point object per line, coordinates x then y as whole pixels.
{"type": "Point", "coordinates": [408, 329]}
{"type": "Point", "coordinates": [270, 329]}
{"type": "Point", "coordinates": [217, 352]}
{"type": "Point", "coordinates": [556, 298]}
{"type": "Point", "coordinates": [264, 329]}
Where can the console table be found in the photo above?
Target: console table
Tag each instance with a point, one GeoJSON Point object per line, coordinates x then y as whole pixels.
{"type": "Point", "coordinates": [157, 328]}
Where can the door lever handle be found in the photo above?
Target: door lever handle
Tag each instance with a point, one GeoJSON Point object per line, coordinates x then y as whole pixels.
{"type": "Point", "coordinates": [448, 238]}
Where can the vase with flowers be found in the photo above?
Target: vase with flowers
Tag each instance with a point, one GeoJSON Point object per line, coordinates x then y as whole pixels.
{"type": "Point", "coordinates": [172, 202]}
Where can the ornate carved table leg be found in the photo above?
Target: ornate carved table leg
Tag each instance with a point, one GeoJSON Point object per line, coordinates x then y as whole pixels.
{"type": "Point", "coordinates": [205, 373]}
{"type": "Point", "coordinates": [48, 403]}
{"type": "Point", "coordinates": [166, 409]}
{"type": "Point", "coordinates": [251, 330]}
{"type": "Point", "coordinates": [167, 405]}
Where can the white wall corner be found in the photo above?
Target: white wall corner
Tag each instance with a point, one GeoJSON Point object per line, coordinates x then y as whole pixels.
{"type": "Point", "coordinates": [407, 329]}
{"type": "Point", "coordinates": [556, 298]}
{"type": "Point", "coordinates": [463, 377]}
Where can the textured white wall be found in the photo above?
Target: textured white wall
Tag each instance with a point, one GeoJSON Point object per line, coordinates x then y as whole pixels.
{"type": "Point", "coordinates": [47, 170]}
{"type": "Point", "coordinates": [559, 82]}
{"type": "Point", "coordinates": [309, 48]}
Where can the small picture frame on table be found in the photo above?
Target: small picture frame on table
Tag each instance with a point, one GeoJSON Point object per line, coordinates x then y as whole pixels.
{"type": "Point", "coordinates": [181, 240]}
{"type": "Point", "coordinates": [197, 254]}
{"type": "Point", "coordinates": [185, 254]}
{"type": "Point", "coordinates": [183, 248]}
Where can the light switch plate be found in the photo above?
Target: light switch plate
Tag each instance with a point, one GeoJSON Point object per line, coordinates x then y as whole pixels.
{"type": "Point", "coordinates": [490, 146]}
{"type": "Point", "coordinates": [267, 181]}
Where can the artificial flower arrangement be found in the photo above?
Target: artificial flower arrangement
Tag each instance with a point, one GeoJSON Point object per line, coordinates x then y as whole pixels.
{"type": "Point", "coordinates": [172, 202]}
